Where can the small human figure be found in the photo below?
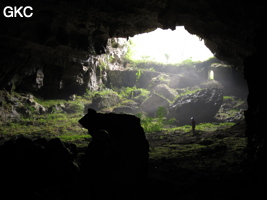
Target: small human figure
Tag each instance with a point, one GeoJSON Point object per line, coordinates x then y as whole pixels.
{"type": "Point", "coordinates": [193, 126]}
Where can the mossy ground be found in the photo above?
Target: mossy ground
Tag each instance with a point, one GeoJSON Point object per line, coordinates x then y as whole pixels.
{"type": "Point", "coordinates": [206, 166]}
{"type": "Point", "coordinates": [57, 125]}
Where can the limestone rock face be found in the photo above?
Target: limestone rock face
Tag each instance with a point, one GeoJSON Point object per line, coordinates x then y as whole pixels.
{"type": "Point", "coordinates": [121, 78]}
{"type": "Point", "coordinates": [40, 53]}
{"type": "Point", "coordinates": [129, 78]}
{"type": "Point", "coordinates": [116, 50]}
{"type": "Point", "coordinates": [202, 105]}
{"type": "Point", "coordinates": [15, 106]}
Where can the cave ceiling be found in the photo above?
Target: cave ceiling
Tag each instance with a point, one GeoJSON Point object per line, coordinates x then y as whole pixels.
{"type": "Point", "coordinates": [80, 28]}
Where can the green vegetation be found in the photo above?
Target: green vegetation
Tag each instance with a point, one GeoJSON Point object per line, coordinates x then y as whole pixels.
{"type": "Point", "coordinates": [60, 120]}
{"type": "Point", "coordinates": [90, 94]}
{"type": "Point", "coordinates": [138, 75]}
{"type": "Point", "coordinates": [148, 64]}
{"type": "Point", "coordinates": [228, 98]}
{"type": "Point", "coordinates": [199, 127]}
{"type": "Point", "coordinates": [156, 66]}
{"type": "Point", "coordinates": [207, 149]}
{"type": "Point", "coordinates": [61, 117]}
{"type": "Point", "coordinates": [132, 92]}
{"type": "Point", "coordinates": [62, 125]}
{"type": "Point", "coordinates": [187, 91]}
{"type": "Point", "coordinates": [155, 124]}
{"type": "Point", "coordinates": [214, 126]}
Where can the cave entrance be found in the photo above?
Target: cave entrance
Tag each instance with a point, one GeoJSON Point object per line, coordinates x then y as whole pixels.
{"type": "Point", "coordinates": [167, 46]}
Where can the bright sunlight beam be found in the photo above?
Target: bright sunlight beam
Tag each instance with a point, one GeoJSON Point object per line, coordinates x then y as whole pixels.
{"type": "Point", "coordinates": [167, 46]}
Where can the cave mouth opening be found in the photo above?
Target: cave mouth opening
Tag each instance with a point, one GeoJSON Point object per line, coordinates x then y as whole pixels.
{"type": "Point", "coordinates": [155, 63]}
{"type": "Point", "coordinates": [169, 46]}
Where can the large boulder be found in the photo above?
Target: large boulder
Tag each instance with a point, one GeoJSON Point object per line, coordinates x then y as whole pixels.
{"type": "Point", "coordinates": [101, 101]}
{"type": "Point", "coordinates": [151, 105]}
{"type": "Point", "coordinates": [165, 91]}
{"type": "Point", "coordinates": [161, 78]}
{"type": "Point", "coordinates": [119, 147]}
{"type": "Point", "coordinates": [202, 105]}
{"type": "Point", "coordinates": [32, 105]}
{"type": "Point", "coordinates": [44, 164]}
{"type": "Point", "coordinates": [13, 106]}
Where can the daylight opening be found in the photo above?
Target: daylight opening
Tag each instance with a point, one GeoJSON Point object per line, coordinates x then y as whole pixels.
{"type": "Point", "coordinates": [211, 75]}
{"type": "Point", "coordinates": [167, 46]}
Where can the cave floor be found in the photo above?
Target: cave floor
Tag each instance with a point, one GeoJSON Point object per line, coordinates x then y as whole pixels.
{"type": "Point", "coordinates": [206, 166]}
{"type": "Point", "coordinates": [210, 166]}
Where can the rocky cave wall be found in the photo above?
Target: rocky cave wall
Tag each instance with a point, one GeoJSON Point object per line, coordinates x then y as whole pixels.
{"type": "Point", "coordinates": [64, 36]}
{"type": "Point", "coordinates": [232, 80]}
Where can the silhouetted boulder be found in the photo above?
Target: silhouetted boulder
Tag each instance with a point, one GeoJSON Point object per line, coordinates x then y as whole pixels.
{"type": "Point", "coordinates": [61, 161]}
{"type": "Point", "coordinates": [202, 105]}
{"type": "Point", "coordinates": [101, 162]}
{"type": "Point", "coordinates": [28, 166]}
{"type": "Point", "coordinates": [118, 153]}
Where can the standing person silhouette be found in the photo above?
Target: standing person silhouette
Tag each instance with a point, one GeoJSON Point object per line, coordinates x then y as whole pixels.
{"type": "Point", "coordinates": [193, 126]}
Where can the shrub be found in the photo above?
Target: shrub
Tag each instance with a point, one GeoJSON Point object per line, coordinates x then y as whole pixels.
{"type": "Point", "coordinates": [151, 124]}
{"type": "Point", "coordinates": [132, 92]}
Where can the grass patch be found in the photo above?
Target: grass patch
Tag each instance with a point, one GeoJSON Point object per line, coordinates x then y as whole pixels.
{"type": "Point", "coordinates": [58, 125]}
{"type": "Point", "coordinates": [48, 103]}
{"type": "Point", "coordinates": [132, 92]}
{"type": "Point", "coordinates": [214, 126]}
{"type": "Point", "coordinates": [155, 124]}
{"type": "Point", "coordinates": [209, 127]}
{"type": "Point", "coordinates": [188, 92]}
{"type": "Point", "coordinates": [228, 98]}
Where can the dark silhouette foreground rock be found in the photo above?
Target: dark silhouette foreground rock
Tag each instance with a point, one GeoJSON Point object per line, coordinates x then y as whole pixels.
{"type": "Point", "coordinates": [115, 163]}
{"type": "Point", "coordinates": [30, 168]}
